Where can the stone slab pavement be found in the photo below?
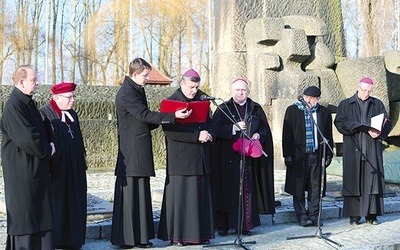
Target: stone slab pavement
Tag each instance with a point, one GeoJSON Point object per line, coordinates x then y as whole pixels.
{"type": "Point", "coordinates": [273, 232]}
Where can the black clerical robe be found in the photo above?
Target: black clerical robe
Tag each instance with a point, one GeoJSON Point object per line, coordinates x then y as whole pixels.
{"type": "Point", "coordinates": [68, 179]}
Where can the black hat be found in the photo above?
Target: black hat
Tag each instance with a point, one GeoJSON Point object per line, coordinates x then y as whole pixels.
{"type": "Point", "coordinates": [312, 91]}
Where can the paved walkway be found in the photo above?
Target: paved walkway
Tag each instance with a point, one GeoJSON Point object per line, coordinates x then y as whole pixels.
{"type": "Point", "coordinates": [274, 230]}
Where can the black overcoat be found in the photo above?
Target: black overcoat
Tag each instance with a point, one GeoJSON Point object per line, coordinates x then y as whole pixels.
{"type": "Point", "coordinates": [25, 159]}
{"type": "Point", "coordinates": [294, 141]}
{"type": "Point", "coordinates": [68, 180]}
{"type": "Point", "coordinates": [348, 123]}
{"type": "Point", "coordinates": [135, 121]}
{"type": "Point", "coordinates": [185, 154]}
{"type": "Point", "coordinates": [226, 161]}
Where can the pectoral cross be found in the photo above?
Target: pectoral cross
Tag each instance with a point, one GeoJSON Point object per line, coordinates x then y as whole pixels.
{"type": "Point", "coordinates": [70, 131]}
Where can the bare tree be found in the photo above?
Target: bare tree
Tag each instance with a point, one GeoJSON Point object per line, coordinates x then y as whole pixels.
{"type": "Point", "coordinates": [371, 26]}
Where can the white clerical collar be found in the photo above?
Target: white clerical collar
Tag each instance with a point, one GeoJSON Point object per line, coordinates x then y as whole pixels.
{"type": "Point", "coordinates": [66, 113]}
{"type": "Point", "coordinates": [242, 103]}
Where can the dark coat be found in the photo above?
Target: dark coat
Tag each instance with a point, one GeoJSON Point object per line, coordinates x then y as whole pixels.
{"type": "Point", "coordinates": [348, 123]}
{"type": "Point", "coordinates": [226, 161]}
{"type": "Point", "coordinates": [293, 144]}
{"type": "Point", "coordinates": [185, 154]}
{"type": "Point", "coordinates": [68, 180]}
{"type": "Point", "coordinates": [135, 121]}
{"type": "Point", "coordinates": [25, 158]}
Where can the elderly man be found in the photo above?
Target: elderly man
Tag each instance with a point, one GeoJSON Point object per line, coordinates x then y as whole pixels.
{"type": "Point", "coordinates": [186, 213]}
{"type": "Point", "coordinates": [303, 154]}
{"type": "Point", "coordinates": [68, 169]}
{"type": "Point", "coordinates": [25, 151]}
{"type": "Point", "coordinates": [257, 172]}
{"type": "Point", "coordinates": [363, 180]}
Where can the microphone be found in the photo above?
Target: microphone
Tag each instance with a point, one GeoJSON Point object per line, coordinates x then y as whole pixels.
{"type": "Point", "coordinates": [301, 99]}
{"type": "Point", "coordinates": [206, 97]}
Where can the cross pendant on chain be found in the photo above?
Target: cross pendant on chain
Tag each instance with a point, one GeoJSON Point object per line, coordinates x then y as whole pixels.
{"type": "Point", "coordinates": [70, 131]}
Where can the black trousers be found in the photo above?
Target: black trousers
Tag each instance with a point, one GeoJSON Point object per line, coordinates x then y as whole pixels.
{"type": "Point", "coordinates": [312, 183]}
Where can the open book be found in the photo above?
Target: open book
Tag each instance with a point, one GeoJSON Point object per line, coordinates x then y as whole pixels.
{"type": "Point", "coordinates": [199, 109]}
{"type": "Point", "coordinates": [377, 122]}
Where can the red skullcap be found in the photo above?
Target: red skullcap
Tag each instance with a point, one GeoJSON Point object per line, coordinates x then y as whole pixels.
{"type": "Point", "coordinates": [63, 87]}
{"type": "Point", "coordinates": [367, 80]}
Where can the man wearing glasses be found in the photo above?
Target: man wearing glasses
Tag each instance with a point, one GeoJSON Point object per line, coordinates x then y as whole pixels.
{"type": "Point", "coordinates": [68, 169]}
{"type": "Point", "coordinates": [363, 180]}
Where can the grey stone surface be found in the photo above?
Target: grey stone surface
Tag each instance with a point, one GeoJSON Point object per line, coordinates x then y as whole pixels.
{"type": "Point", "coordinates": [273, 232]}
{"type": "Point", "coordinates": [350, 72]}
{"type": "Point", "coordinates": [394, 117]}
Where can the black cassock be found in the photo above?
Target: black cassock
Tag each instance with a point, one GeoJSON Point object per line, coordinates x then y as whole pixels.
{"type": "Point", "coordinates": [68, 180]}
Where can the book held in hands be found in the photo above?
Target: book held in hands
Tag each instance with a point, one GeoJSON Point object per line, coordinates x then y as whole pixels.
{"type": "Point", "coordinates": [199, 109]}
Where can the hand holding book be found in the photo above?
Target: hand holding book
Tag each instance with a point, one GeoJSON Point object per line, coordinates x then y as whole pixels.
{"type": "Point", "coordinates": [377, 123]}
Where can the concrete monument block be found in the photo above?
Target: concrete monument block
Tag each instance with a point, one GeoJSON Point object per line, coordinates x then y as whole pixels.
{"type": "Point", "coordinates": [351, 71]}
{"type": "Point", "coordinates": [392, 63]}
{"type": "Point", "coordinates": [312, 26]}
{"type": "Point", "coordinates": [292, 82]}
{"type": "Point", "coordinates": [293, 48]}
{"type": "Point", "coordinates": [278, 109]}
{"type": "Point", "coordinates": [230, 67]}
{"type": "Point", "coordinates": [394, 118]}
{"type": "Point", "coordinates": [271, 60]}
{"type": "Point", "coordinates": [321, 57]}
{"type": "Point", "coordinates": [263, 30]}
{"type": "Point", "coordinates": [331, 91]}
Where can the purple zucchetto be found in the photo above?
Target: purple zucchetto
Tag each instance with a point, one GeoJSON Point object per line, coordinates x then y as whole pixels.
{"type": "Point", "coordinates": [367, 80]}
{"type": "Point", "coordinates": [191, 73]}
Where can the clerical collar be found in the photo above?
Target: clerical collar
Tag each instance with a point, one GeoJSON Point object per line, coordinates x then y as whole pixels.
{"type": "Point", "coordinates": [242, 103]}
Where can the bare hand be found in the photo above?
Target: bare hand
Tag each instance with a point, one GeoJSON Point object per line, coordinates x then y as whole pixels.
{"type": "Point", "coordinates": [182, 113]}
{"type": "Point", "coordinates": [374, 133]}
{"type": "Point", "coordinates": [256, 136]}
{"type": "Point", "coordinates": [241, 125]}
{"type": "Point", "coordinates": [204, 136]}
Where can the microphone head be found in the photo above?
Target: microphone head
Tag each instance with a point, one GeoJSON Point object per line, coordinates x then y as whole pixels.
{"type": "Point", "coordinates": [300, 98]}
{"type": "Point", "coordinates": [203, 97]}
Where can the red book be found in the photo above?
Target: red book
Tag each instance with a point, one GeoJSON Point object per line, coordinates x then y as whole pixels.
{"type": "Point", "coordinates": [199, 109]}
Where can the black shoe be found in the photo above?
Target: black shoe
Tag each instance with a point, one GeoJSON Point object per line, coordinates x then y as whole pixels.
{"type": "Point", "coordinates": [205, 242]}
{"type": "Point", "coordinates": [372, 222]}
{"type": "Point", "coordinates": [354, 220]}
{"type": "Point", "coordinates": [68, 247]}
{"type": "Point", "coordinates": [222, 232]}
{"type": "Point", "coordinates": [126, 246]}
{"type": "Point", "coordinates": [306, 223]}
{"type": "Point", "coordinates": [179, 244]}
{"type": "Point", "coordinates": [148, 245]}
{"type": "Point", "coordinates": [315, 223]}
{"type": "Point", "coordinates": [244, 232]}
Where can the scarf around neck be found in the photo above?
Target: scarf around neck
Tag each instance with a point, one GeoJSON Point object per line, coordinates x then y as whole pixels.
{"type": "Point", "coordinates": [309, 126]}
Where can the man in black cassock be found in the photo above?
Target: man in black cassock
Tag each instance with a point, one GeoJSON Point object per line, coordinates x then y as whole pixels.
{"type": "Point", "coordinates": [132, 223]}
{"type": "Point", "coordinates": [25, 151]}
{"type": "Point", "coordinates": [186, 213]}
{"type": "Point", "coordinates": [68, 169]}
{"type": "Point", "coordinates": [258, 178]}
{"type": "Point", "coordinates": [363, 177]}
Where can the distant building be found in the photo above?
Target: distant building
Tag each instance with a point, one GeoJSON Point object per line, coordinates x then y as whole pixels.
{"type": "Point", "coordinates": [157, 79]}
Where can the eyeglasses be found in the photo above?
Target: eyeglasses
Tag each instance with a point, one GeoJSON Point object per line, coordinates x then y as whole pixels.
{"type": "Point", "coordinates": [366, 91]}
{"type": "Point", "coordinates": [68, 97]}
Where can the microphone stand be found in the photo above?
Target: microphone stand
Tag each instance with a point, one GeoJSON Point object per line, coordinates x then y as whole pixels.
{"type": "Point", "coordinates": [318, 234]}
{"type": "Point", "coordinates": [238, 241]}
